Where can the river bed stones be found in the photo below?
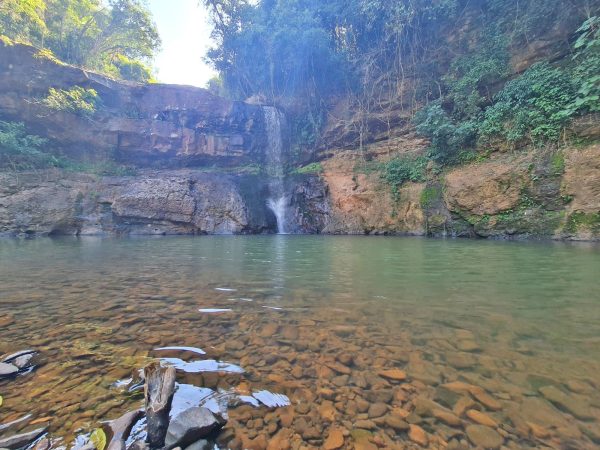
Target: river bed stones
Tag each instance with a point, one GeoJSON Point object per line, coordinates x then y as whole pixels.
{"type": "Point", "coordinates": [483, 436]}
{"type": "Point", "coordinates": [418, 435]}
{"type": "Point", "coordinates": [574, 404]}
{"type": "Point", "coordinates": [367, 384]}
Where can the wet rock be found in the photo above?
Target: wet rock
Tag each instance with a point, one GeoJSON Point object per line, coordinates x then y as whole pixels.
{"type": "Point", "coordinates": [42, 444]}
{"type": "Point", "coordinates": [20, 422]}
{"type": "Point", "coordinates": [21, 440]}
{"type": "Point", "coordinates": [121, 428]}
{"type": "Point", "coordinates": [481, 418]}
{"type": "Point", "coordinates": [327, 411]}
{"type": "Point", "coordinates": [393, 374]}
{"type": "Point", "coordinates": [485, 399]}
{"type": "Point", "coordinates": [468, 346]}
{"type": "Point", "coordinates": [418, 435]}
{"type": "Point", "coordinates": [446, 396]}
{"type": "Point", "coordinates": [463, 404]}
{"type": "Point", "coordinates": [365, 424]}
{"type": "Point", "coordinates": [190, 426]}
{"type": "Point", "coordinates": [591, 431]}
{"type": "Point", "coordinates": [377, 410]}
{"type": "Point", "coordinates": [341, 381]}
{"type": "Point", "coordinates": [339, 368]}
{"type": "Point", "coordinates": [202, 444]}
{"type": "Point", "coordinates": [6, 320]}
{"type": "Point", "coordinates": [460, 360]}
{"type": "Point", "coordinates": [335, 439]}
{"type": "Point", "coordinates": [485, 437]}
{"type": "Point", "coordinates": [447, 417]}
{"type": "Point", "coordinates": [396, 422]}
{"type": "Point", "coordinates": [7, 370]}
{"type": "Point", "coordinates": [139, 445]}
{"type": "Point", "coordinates": [10, 358]}
{"type": "Point", "coordinates": [575, 405]}
{"type": "Point", "coordinates": [345, 358]}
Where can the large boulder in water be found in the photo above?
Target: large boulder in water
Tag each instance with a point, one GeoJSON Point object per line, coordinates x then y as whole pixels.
{"type": "Point", "coordinates": [190, 426]}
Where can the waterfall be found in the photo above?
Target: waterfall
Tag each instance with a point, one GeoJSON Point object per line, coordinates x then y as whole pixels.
{"type": "Point", "coordinates": [277, 201]}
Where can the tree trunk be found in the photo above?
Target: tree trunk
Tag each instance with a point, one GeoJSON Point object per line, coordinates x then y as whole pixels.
{"type": "Point", "coordinates": [158, 395]}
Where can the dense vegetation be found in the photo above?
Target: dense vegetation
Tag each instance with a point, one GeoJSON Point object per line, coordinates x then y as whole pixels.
{"type": "Point", "coordinates": [382, 56]}
{"type": "Point", "coordinates": [116, 37]}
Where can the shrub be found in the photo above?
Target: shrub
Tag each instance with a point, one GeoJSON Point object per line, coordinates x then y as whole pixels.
{"type": "Point", "coordinates": [76, 100]}
{"type": "Point", "coordinates": [534, 106]}
{"type": "Point", "coordinates": [19, 150]}
{"type": "Point", "coordinates": [400, 170]}
{"type": "Point", "coordinates": [314, 167]}
{"type": "Point", "coordinates": [587, 69]}
{"type": "Point", "coordinates": [447, 137]}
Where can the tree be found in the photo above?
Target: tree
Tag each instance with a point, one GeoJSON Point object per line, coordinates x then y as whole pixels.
{"type": "Point", "coordinates": [117, 37]}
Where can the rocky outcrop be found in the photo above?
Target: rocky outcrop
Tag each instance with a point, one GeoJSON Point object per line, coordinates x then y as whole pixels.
{"type": "Point", "coordinates": [163, 202]}
{"type": "Point", "coordinates": [543, 193]}
{"type": "Point", "coordinates": [144, 125]}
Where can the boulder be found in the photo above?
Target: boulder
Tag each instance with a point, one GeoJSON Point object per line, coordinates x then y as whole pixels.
{"type": "Point", "coordinates": [7, 370]}
{"type": "Point", "coordinates": [190, 426]}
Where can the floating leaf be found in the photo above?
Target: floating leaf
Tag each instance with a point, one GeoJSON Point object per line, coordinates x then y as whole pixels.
{"type": "Point", "coordinates": [1, 400]}
{"type": "Point", "coordinates": [98, 438]}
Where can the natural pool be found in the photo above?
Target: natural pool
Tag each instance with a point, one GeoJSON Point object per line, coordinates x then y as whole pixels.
{"type": "Point", "coordinates": [499, 342]}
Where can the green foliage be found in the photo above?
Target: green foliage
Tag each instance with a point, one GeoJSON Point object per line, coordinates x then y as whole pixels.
{"type": "Point", "coordinates": [117, 37]}
{"type": "Point", "coordinates": [19, 150]}
{"type": "Point", "coordinates": [451, 122]}
{"type": "Point", "coordinates": [579, 219]}
{"type": "Point", "coordinates": [312, 168]}
{"type": "Point", "coordinates": [76, 100]}
{"type": "Point", "coordinates": [447, 136]}
{"type": "Point", "coordinates": [22, 20]}
{"type": "Point", "coordinates": [400, 170]}
{"type": "Point", "coordinates": [133, 70]}
{"type": "Point", "coordinates": [557, 163]}
{"type": "Point", "coordinates": [429, 196]}
{"type": "Point", "coordinates": [587, 69]}
{"type": "Point", "coordinates": [534, 106]}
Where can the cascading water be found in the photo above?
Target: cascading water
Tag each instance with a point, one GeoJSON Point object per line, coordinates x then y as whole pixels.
{"type": "Point", "coordinates": [277, 201]}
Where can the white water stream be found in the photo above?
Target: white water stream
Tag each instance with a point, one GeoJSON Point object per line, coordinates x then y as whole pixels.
{"type": "Point", "coordinates": [277, 201]}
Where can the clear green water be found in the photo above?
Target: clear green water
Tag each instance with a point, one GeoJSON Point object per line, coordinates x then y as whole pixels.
{"type": "Point", "coordinates": [95, 309]}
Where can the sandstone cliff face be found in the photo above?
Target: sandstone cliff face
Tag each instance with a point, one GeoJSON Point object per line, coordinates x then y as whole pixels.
{"type": "Point", "coordinates": [538, 194]}
{"type": "Point", "coordinates": [166, 202]}
{"type": "Point", "coordinates": [138, 124]}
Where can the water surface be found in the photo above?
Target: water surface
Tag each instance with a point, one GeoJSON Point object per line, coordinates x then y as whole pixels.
{"type": "Point", "coordinates": [317, 319]}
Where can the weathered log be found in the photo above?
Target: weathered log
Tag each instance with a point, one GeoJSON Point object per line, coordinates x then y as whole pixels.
{"type": "Point", "coordinates": [158, 395]}
{"type": "Point", "coordinates": [121, 428]}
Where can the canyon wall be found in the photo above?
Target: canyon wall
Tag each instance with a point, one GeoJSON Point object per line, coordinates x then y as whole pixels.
{"type": "Point", "coordinates": [196, 161]}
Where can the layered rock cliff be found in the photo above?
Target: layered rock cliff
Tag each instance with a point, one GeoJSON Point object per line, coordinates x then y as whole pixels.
{"type": "Point", "coordinates": [197, 159]}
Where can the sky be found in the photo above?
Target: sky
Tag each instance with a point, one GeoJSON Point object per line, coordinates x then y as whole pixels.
{"type": "Point", "coordinates": [185, 32]}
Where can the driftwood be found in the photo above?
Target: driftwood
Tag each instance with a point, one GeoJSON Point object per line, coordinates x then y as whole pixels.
{"type": "Point", "coordinates": [121, 428]}
{"type": "Point", "coordinates": [158, 395]}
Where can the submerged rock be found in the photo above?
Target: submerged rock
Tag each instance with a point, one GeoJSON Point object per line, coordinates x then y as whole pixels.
{"type": "Point", "coordinates": [575, 405]}
{"type": "Point", "coordinates": [7, 370]}
{"type": "Point", "coordinates": [21, 440]}
{"type": "Point", "coordinates": [485, 437]}
{"type": "Point", "coordinates": [190, 426]}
